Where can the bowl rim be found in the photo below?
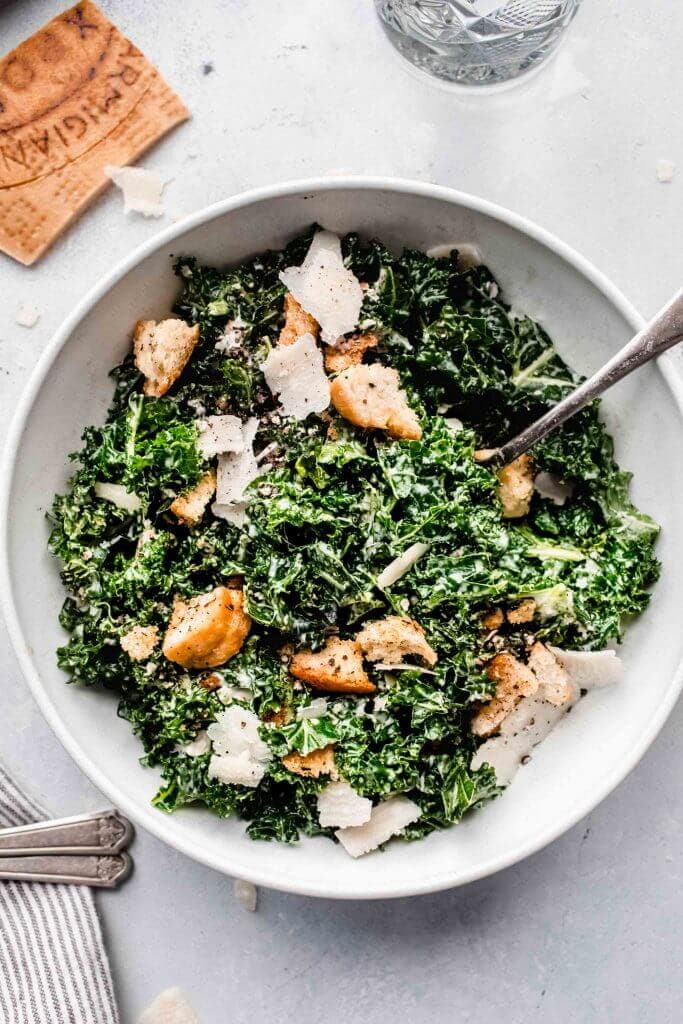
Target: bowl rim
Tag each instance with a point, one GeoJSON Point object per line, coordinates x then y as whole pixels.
{"type": "Point", "coordinates": [148, 817]}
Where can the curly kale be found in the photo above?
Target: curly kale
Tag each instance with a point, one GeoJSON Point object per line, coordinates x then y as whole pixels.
{"type": "Point", "coordinates": [332, 508]}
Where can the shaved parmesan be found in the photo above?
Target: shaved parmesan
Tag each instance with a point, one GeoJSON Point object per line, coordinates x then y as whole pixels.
{"type": "Point", "coordinates": [386, 820]}
{"type": "Point", "coordinates": [296, 374]}
{"type": "Point", "coordinates": [169, 1007]}
{"type": "Point", "coordinates": [236, 470]}
{"type": "Point", "coordinates": [240, 756]}
{"type": "Point", "coordinates": [591, 670]}
{"type": "Point", "coordinates": [550, 486]}
{"type": "Point", "coordinates": [325, 288]}
{"type": "Point", "coordinates": [118, 495]}
{"type": "Point", "coordinates": [235, 513]}
{"type": "Point", "coordinates": [219, 434]}
{"type": "Point", "coordinates": [246, 893]}
{"type": "Point", "coordinates": [665, 171]}
{"type": "Point", "coordinates": [339, 806]}
{"type": "Point", "coordinates": [141, 189]}
{"type": "Point", "coordinates": [528, 725]}
{"type": "Point", "coordinates": [201, 744]}
{"type": "Point", "coordinates": [469, 255]}
{"type": "Point", "coordinates": [402, 667]}
{"type": "Point", "coordinates": [316, 709]}
{"type": "Point", "coordinates": [27, 315]}
{"type": "Point", "coordinates": [454, 424]}
{"type": "Point", "coordinates": [401, 565]}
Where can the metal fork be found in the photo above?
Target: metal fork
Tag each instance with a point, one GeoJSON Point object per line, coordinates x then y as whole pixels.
{"type": "Point", "coordinates": [661, 334]}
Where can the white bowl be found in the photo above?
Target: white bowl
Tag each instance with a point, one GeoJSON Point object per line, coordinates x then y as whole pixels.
{"type": "Point", "coordinates": [590, 751]}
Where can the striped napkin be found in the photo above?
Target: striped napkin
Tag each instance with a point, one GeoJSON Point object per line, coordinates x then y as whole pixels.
{"type": "Point", "coordinates": [53, 965]}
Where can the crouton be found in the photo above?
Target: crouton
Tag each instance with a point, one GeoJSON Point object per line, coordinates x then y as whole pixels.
{"type": "Point", "coordinates": [523, 612]}
{"type": "Point", "coordinates": [140, 641]}
{"type": "Point", "coordinates": [297, 322]}
{"type": "Point", "coordinates": [211, 681]}
{"type": "Point", "coordinates": [393, 638]}
{"type": "Point", "coordinates": [313, 765]}
{"type": "Point", "coordinates": [349, 351]}
{"type": "Point", "coordinates": [493, 620]}
{"type": "Point", "coordinates": [516, 487]}
{"type": "Point", "coordinates": [556, 685]}
{"type": "Point", "coordinates": [514, 680]}
{"type": "Point", "coordinates": [189, 507]}
{"type": "Point", "coordinates": [207, 630]}
{"type": "Point", "coordinates": [337, 668]}
{"type": "Point", "coordinates": [162, 351]}
{"type": "Point", "coordinates": [371, 397]}
{"type": "Point", "coordinates": [278, 718]}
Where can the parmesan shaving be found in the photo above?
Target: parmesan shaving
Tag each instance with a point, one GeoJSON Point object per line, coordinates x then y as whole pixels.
{"type": "Point", "coordinates": [169, 1007]}
{"type": "Point", "coordinates": [469, 255]}
{"type": "Point", "coordinates": [591, 670]}
{"type": "Point", "coordinates": [236, 470]}
{"type": "Point", "coordinates": [219, 434]}
{"type": "Point", "coordinates": [339, 806]}
{"type": "Point", "coordinates": [402, 667]}
{"type": "Point", "coordinates": [296, 374]}
{"type": "Point", "coordinates": [141, 189]}
{"type": "Point", "coordinates": [246, 893]}
{"type": "Point", "coordinates": [550, 486]}
{"type": "Point", "coordinates": [118, 495]}
{"type": "Point", "coordinates": [27, 315]}
{"type": "Point", "coordinates": [386, 820]}
{"type": "Point", "coordinates": [401, 565]}
{"type": "Point", "coordinates": [325, 288]}
{"type": "Point", "coordinates": [201, 744]}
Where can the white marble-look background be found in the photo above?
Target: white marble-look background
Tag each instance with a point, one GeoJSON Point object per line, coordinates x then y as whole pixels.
{"type": "Point", "coordinates": [587, 930]}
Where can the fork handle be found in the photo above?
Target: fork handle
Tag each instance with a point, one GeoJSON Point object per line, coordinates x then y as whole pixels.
{"type": "Point", "coordinates": [103, 872]}
{"type": "Point", "coordinates": [104, 832]}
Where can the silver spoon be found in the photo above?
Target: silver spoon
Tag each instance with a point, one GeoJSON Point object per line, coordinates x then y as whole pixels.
{"type": "Point", "coordinates": [661, 334]}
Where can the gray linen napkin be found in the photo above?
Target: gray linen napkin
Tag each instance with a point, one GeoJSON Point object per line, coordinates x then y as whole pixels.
{"type": "Point", "coordinates": [53, 965]}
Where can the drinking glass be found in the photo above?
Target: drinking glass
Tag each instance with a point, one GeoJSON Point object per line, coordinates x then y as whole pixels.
{"type": "Point", "coordinates": [476, 42]}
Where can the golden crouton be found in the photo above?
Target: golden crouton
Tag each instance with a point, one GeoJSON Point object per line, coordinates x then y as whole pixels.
{"type": "Point", "coordinates": [140, 641]}
{"type": "Point", "coordinates": [556, 686]}
{"type": "Point", "coordinates": [371, 397]}
{"type": "Point", "coordinates": [493, 620]}
{"type": "Point", "coordinates": [514, 680]}
{"type": "Point", "coordinates": [391, 639]}
{"type": "Point", "coordinates": [190, 506]}
{"type": "Point", "coordinates": [162, 351]}
{"type": "Point", "coordinates": [313, 765]}
{"type": "Point", "coordinates": [211, 681]}
{"type": "Point", "coordinates": [207, 630]}
{"type": "Point", "coordinates": [349, 351]}
{"type": "Point", "coordinates": [523, 612]}
{"type": "Point", "coordinates": [297, 322]}
{"type": "Point", "coordinates": [516, 487]}
{"type": "Point", "coordinates": [337, 668]}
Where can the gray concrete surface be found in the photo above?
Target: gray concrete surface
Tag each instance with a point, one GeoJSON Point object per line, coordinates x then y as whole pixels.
{"type": "Point", "coordinates": [587, 930]}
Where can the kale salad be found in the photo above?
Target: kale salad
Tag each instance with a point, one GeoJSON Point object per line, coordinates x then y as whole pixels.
{"type": "Point", "coordinates": [315, 606]}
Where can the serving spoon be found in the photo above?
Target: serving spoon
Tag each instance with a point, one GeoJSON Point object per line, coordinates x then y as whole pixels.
{"type": "Point", "coordinates": [661, 334]}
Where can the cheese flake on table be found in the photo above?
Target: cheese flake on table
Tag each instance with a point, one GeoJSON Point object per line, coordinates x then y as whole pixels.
{"type": "Point", "coordinates": [141, 189]}
{"type": "Point", "coordinates": [169, 1007]}
{"type": "Point", "coordinates": [27, 315]}
{"type": "Point", "coordinates": [296, 375]}
{"type": "Point", "coordinates": [325, 288]}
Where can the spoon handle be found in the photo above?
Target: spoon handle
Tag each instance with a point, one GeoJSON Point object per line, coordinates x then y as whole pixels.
{"type": "Point", "coordinates": [662, 333]}
{"type": "Point", "coordinates": [105, 832]}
